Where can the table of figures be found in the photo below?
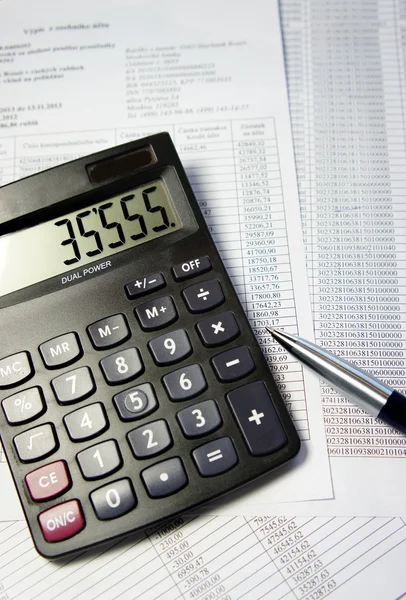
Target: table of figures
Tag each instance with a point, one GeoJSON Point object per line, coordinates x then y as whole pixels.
{"type": "Point", "coordinates": [211, 558]}
{"type": "Point", "coordinates": [233, 166]}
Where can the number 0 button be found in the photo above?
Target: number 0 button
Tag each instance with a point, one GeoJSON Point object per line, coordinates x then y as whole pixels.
{"type": "Point", "coordinates": [113, 500]}
{"type": "Point", "coordinates": [150, 440]}
{"type": "Point", "coordinates": [122, 366]}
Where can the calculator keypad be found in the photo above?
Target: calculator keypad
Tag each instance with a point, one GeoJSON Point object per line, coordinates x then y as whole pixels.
{"type": "Point", "coordinates": [122, 366]}
{"type": "Point", "coordinates": [150, 440]}
{"type": "Point", "coordinates": [86, 423]}
{"type": "Point", "coordinates": [165, 478]}
{"type": "Point", "coordinates": [62, 350]}
{"type": "Point", "coordinates": [24, 406]}
{"type": "Point", "coordinates": [100, 460]}
{"type": "Point", "coordinates": [170, 347]}
{"type": "Point", "coordinates": [109, 332]}
{"type": "Point", "coordinates": [36, 443]}
{"type": "Point", "coordinates": [15, 369]}
{"type": "Point", "coordinates": [73, 386]}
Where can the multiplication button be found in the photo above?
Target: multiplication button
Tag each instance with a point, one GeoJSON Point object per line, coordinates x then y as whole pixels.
{"type": "Point", "coordinates": [218, 329]}
{"type": "Point", "coordinates": [258, 420]}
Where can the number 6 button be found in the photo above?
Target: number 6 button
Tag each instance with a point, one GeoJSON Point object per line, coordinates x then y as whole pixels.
{"type": "Point", "coordinates": [185, 383]}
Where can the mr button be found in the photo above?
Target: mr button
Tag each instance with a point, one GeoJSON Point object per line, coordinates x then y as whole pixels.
{"type": "Point", "coordinates": [61, 350]}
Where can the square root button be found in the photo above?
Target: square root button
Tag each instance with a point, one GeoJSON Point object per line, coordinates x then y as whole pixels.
{"type": "Point", "coordinates": [257, 418]}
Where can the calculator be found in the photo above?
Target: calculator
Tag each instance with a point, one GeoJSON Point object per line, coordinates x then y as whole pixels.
{"type": "Point", "coordinates": [132, 387]}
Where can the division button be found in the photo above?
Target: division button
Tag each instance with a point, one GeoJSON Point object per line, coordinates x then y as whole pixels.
{"type": "Point", "coordinates": [49, 481]}
{"type": "Point", "coordinates": [233, 364]}
{"type": "Point", "coordinates": [215, 457]}
{"type": "Point", "coordinates": [15, 369]}
{"type": "Point", "coordinates": [203, 296]}
{"type": "Point", "coordinates": [257, 418]}
{"type": "Point", "coordinates": [165, 478]}
{"type": "Point", "coordinates": [36, 443]}
{"type": "Point", "coordinates": [199, 419]}
{"type": "Point", "coordinates": [100, 460]}
{"type": "Point", "coordinates": [86, 423]}
{"type": "Point", "coordinates": [170, 347]}
{"type": "Point", "coordinates": [73, 386]}
{"type": "Point", "coordinates": [192, 267]}
{"type": "Point", "coordinates": [113, 500]}
{"type": "Point", "coordinates": [218, 329]}
{"type": "Point", "coordinates": [62, 522]}
{"type": "Point", "coordinates": [61, 350]}
{"type": "Point", "coordinates": [109, 332]}
{"type": "Point", "coordinates": [156, 313]}
{"type": "Point", "coordinates": [122, 366]}
{"type": "Point", "coordinates": [136, 402]}
{"type": "Point", "coordinates": [185, 383]}
{"type": "Point", "coordinates": [24, 406]}
{"type": "Point", "coordinates": [144, 285]}
{"type": "Point", "coordinates": [150, 440]}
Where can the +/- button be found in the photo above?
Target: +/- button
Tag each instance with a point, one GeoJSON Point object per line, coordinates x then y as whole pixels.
{"type": "Point", "coordinates": [62, 522]}
{"type": "Point", "coordinates": [144, 285]}
{"type": "Point", "coordinates": [49, 481]}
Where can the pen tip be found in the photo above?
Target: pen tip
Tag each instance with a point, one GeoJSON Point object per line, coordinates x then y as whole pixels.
{"type": "Point", "coordinates": [270, 329]}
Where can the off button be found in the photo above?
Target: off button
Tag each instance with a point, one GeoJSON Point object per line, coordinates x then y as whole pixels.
{"type": "Point", "coordinates": [192, 267]}
{"type": "Point", "coordinates": [62, 522]}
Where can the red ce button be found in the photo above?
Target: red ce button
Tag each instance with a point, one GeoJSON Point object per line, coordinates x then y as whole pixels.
{"type": "Point", "coordinates": [49, 481]}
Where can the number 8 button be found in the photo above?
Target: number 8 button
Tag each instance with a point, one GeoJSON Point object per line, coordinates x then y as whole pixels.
{"type": "Point", "coordinates": [122, 366]}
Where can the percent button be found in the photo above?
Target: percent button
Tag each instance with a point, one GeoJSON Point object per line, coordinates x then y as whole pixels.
{"type": "Point", "coordinates": [24, 406]}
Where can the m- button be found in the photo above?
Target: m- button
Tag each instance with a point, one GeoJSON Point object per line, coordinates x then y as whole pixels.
{"type": "Point", "coordinates": [61, 350]}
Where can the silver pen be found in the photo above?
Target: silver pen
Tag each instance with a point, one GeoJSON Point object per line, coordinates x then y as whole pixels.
{"type": "Point", "coordinates": [369, 393]}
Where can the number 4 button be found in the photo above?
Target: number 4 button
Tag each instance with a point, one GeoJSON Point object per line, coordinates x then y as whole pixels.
{"type": "Point", "coordinates": [86, 423]}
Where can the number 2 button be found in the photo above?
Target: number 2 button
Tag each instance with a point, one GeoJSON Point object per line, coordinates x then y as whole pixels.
{"type": "Point", "coordinates": [122, 366]}
{"type": "Point", "coordinates": [150, 440]}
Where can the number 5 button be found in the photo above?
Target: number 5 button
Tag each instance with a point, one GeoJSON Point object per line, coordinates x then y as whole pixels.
{"type": "Point", "coordinates": [150, 440]}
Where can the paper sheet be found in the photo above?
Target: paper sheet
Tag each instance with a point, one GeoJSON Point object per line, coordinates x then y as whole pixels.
{"type": "Point", "coordinates": [76, 80]}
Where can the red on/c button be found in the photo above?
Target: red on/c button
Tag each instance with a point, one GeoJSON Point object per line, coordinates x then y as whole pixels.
{"type": "Point", "coordinates": [62, 521]}
{"type": "Point", "coordinates": [48, 481]}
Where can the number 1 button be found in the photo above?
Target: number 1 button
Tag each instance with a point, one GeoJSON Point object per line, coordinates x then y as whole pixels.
{"type": "Point", "coordinates": [122, 366]}
{"type": "Point", "coordinates": [100, 460]}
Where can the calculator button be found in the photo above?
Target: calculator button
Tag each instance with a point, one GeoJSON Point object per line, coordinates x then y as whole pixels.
{"type": "Point", "coordinates": [215, 457]}
{"type": "Point", "coordinates": [85, 423]}
{"type": "Point", "coordinates": [256, 415]}
{"type": "Point", "coordinates": [62, 522]}
{"type": "Point", "coordinates": [233, 364]}
{"type": "Point", "coordinates": [165, 478]}
{"type": "Point", "coordinates": [170, 347]}
{"type": "Point", "coordinates": [24, 406]}
{"type": "Point", "coordinates": [218, 329]}
{"type": "Point", "coordinates": [190, 268]}
{"type": "Point", "coordinates": [100, 460]}
{"type": "Point", "coordinates": [15, 369]}
{"type": "Point", "coordinates": [136, 402]}
{"type": "Point", "coordinates": [144, 285]}
{"type": "Point", "coordinates": [109, 332]}
{"type": "Point", "coordinates": [122, 366]}
{"type": "Point", "coordinates": [185, 383]}
{"type": "Point", "coordinates": [203, 296]}
{"type": "Point", "coordinates": [74, 385]}
{"type": "Point", "coordinates": [61, 350]}
{"type": "Point", "coordinates": [199, 419]}
{"type": "Point", "coordinates": [36, 443]}
{"type": "Point", "coordinates": [113, 500]}
{"type": "Point", "coordinates": [156, 314]}
{"type": "Point", "coordinates": [150, 440]}
{"type": "Point", "coordinates": [49, 481]}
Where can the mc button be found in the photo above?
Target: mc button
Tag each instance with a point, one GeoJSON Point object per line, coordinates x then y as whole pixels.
{"type": "Point", "coordinates": [15, 369]}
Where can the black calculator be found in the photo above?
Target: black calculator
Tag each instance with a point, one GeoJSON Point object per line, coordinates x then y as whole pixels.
{"type": "Point", "coordinates": [132, 387]}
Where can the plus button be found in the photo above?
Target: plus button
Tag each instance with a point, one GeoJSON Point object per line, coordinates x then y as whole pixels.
{"type": "Point", "coordinates": [256, 417]}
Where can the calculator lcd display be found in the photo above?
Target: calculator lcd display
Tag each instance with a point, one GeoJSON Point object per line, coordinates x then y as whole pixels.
{"type": "Point", "coordinates": [93, 233]}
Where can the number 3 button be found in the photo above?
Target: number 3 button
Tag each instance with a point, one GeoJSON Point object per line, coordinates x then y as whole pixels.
{"type": "Point", "coordinates": [150, 440]}
{"type": "Point", "coordinates": [122, 366]}
{"type": "Point", "coordinates": [199, 419]}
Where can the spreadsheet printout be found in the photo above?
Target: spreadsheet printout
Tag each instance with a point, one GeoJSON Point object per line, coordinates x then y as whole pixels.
{"type": "Point", "coordinates": [85, 85]}
{"type": "Point", "coordinates": [346, 69]}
